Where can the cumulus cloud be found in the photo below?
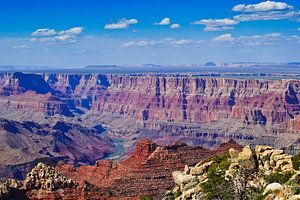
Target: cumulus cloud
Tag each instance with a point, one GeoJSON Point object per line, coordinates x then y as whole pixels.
{"type": "Point", "coordinates": [223, 38]}
{"type": "Point", "coordinates": [51, 36]}
{"type": "Point", "coordinates": [174, 26]}
{"type": "Point", "coordinates": [122, 24]}
{"type": "Point", "coordinates": [44, 32]}
{"type": "Point", "coordinates": [182, 42]}
{"type": "Point", "coordinates": [217, 24]}
{"type": "Point", "coordinates": [72, 31]}
{"type": "Point", "coordinates": [262, 7]}
{"type": "Point", "coordinates": [272, 15]}
{"type": "Point", "coordinates": [267, 10]}
{"type": "Point", "coordinates": [164, 21]}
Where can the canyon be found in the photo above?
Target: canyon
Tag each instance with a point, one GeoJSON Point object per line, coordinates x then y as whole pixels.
{"type": "Point", "coordinates": [79, 117]}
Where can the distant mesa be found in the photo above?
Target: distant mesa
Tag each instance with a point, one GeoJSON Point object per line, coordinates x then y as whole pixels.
{"type": "Point", "coordinates": [294, 63]}
{"type": "Point", "coordinates": [210, 64]}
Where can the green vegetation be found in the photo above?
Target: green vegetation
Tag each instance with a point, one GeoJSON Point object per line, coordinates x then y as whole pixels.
{"type": "Point", "coordinates": [296, 161]}
{"type": "Point", "coordinates": [278, 177]}
{"type": "Point", "coordinates": [177, 193]}
{"type": "Point", "coordinates": [217, 187]}
{"type": "Point", "coordinates": [146, 198]}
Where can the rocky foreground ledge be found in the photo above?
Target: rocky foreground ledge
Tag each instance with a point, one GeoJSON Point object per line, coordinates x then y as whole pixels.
{"type": "Point", "coordinates": [169, 172]}
{"type": "Point", "coordinates": [260, 173]}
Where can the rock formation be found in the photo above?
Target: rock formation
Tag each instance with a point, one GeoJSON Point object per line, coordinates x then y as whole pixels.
{"type": "Point", "coordinates": [247, 171]}
{"type": "Point", "coordinates": [165, 108]}
{"type": "Point", "coordinates": [200, 111]}
{"type": "Point", "coordinates": [147, 172]}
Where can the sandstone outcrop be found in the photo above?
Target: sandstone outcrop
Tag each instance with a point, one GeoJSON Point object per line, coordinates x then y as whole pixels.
{"type": "Point", "coordinates": [43, 182]}
{"type": "Point", "coordinates": [44, 177]}
{"type": "Point", "coordinates": [249, 168]}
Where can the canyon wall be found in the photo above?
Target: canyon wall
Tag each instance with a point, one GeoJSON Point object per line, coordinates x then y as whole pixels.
{"type": "Point", "coordinates": [188, 107]}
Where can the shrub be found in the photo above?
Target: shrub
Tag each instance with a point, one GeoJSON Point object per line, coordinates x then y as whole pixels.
{"type": "Point", "coordinates": [177, 193]}
{"type": "Point", "coordinates": [296, 161]}
{"type": "Point", "coordinates": [278, 177]}
{"type": "Point", "coordinates": [216, 187]}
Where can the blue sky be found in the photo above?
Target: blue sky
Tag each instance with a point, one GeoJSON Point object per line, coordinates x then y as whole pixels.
{"type": "Point", "coordinates": [83, 32]}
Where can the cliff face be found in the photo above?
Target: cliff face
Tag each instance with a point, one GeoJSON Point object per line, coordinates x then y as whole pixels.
{"type": "Point", "coordinates": [198, 100]}
{"type": "Point", "coordinates": [167, 97]}
{"type": "Point", "coordinates": [181, 106]}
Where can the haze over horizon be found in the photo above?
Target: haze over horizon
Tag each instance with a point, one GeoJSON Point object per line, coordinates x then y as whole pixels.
{"type": "Point", "coordinates": [80, 33]}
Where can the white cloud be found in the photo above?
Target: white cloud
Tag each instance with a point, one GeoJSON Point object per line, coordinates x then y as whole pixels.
{"type": "Point", "coordinates": [59, 39]}
{"type": "Point", "coordinates": [72, 31]}
{"type": "Point", "coordinates": [217, 24]}
{"type": "Point", "coordinates": [223, 38]}
{"type": "Point", "coordinates": [272, 15]}
{"type": "Point", "coordinates": [44, 32]}
{"type": "Point", "coordinates": [51, 36]}
{"type": "Point", "coordinates": [216, 28]}
{"type": "Point", "coordinates": [265, 39]}
{"type": "Point", "coordinates": [165, 21]}
{"type": "Point", "coordinates": [267, 10]}
{"type": "Point", "coordinates": [262, 7]}
{"type": "Point", "coordinates": [122, 24]}
{"type": "Point", "coordinates": [174, 26]}
{"type": "Point", "coordinates": [252, 40]}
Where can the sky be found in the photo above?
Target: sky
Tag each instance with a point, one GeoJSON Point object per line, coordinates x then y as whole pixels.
{"type": "Point", "coordinates": [77, 33]}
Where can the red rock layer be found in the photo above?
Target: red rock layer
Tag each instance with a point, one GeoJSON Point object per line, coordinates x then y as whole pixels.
{"type": "Point", "coordinates": [151, 98]}
{"type": "Point", "coordinates": [198, 100]}
{"type": "Point", "coordinates": [146, 173]}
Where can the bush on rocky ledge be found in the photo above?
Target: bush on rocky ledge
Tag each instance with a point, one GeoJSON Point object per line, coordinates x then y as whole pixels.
{"type": "Point", "coordinates": [263, 173]}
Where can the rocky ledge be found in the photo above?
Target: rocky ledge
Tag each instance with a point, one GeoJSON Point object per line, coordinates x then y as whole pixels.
{"type": "Point", "coordinates": [40, 182]}
{"type": "Point", "coordinates": [254, 173]}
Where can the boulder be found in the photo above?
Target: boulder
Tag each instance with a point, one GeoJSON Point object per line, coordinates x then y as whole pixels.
{"type": "Point", "coordinates": [180, 178]}
{"type": "Point", "coordinates": [273, 187]}
{"type": "Point", "coordinates": [245, 154]}
{"type": "Point", "coordinates": [199, 170]}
